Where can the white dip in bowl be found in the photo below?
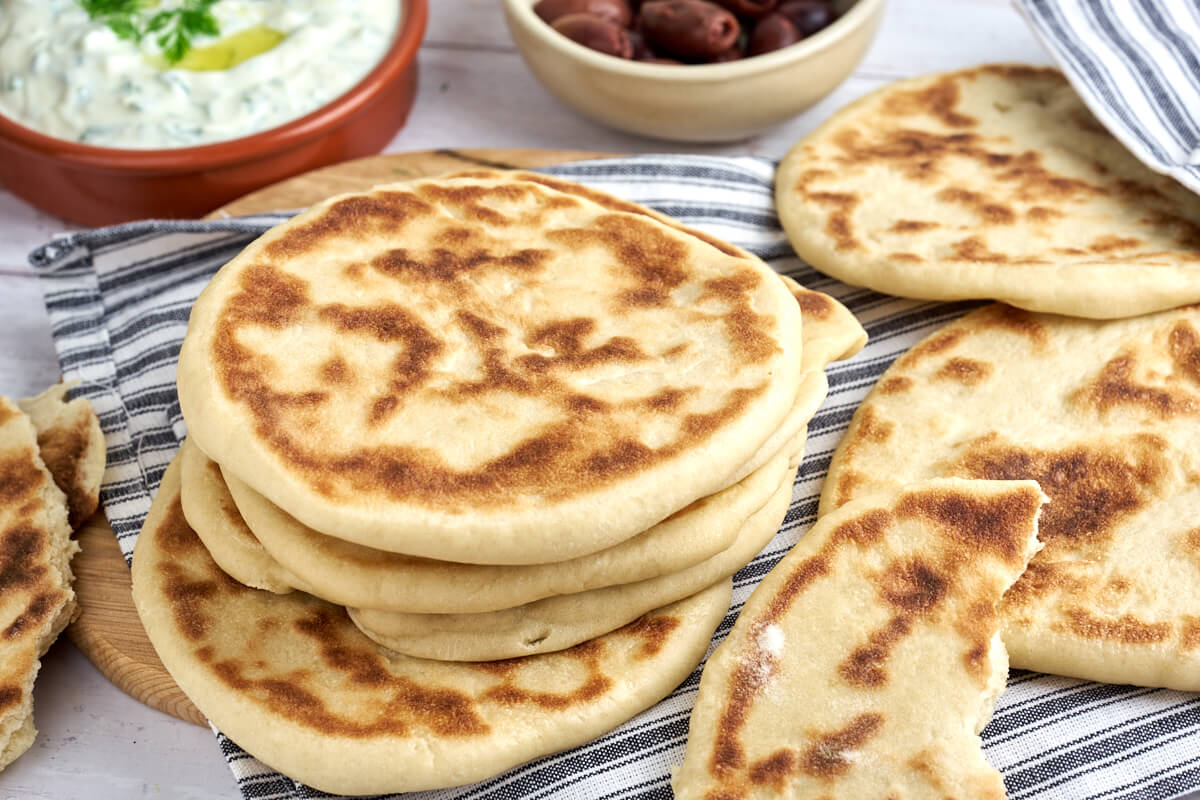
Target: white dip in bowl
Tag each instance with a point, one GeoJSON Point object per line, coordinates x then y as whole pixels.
{"type": "Point", "coordinates": [68, 76]}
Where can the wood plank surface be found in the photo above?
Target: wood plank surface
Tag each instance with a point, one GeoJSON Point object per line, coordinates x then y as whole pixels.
{"type": "Point", "coordinates": [108, 630]}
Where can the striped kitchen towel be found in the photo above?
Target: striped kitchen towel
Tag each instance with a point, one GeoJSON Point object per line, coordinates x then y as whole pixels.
{"type": "Point", "coordinates": [1136, 63]}
{"type": "Point", "coordinates": [119, 300]}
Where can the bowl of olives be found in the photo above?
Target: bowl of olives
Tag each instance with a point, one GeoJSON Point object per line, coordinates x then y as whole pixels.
{"type": "Point", "coordinates": [692, 70]}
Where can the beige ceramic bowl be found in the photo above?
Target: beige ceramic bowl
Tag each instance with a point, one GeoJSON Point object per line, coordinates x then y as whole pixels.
{"type": "Point", "coordinates": [694, 103]}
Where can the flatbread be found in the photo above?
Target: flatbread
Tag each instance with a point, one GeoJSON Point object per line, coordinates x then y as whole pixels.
{"type": "Point", "coordinates": [72, 446]}
{"type": "Point", "coordinates": [36, 599]}
{"type": "Point", "coordinates": [294, 683]}
{"type": "Point", "coordinates": [562, 621]}
{"type": "Point", "coordinates": [994, 182]}
{"type": "Point", "coordinates": [1104, 417]}
{"type": "Point", "coordinates": [212, 514]}
{"type": "Point", "coordinates": [349, 574]}
{"type": "Point", "coordinates": [868, 659]}
{"type": "Point", "coordinates": [450, 368]}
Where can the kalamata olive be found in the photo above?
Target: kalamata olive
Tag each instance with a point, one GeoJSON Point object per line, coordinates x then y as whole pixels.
{"type": "Point", "coordinates": [809, 16]}
{"type": "Point", "coordinates": [748, 8]}
{"type": "Point", "coordinates": [771, 33]}
{"type": "Point", "coordinates": [657, 60]}
{"type": "Point", "coordinates": [691, 29]}
{"type": "Point", "coordinates": [617, 11]}
{"type": "Point", "coordinates": [641, 50]}
{"type": "Point", "coordinates": [596, 33]}
{"type": "Point", "coordinates": [732, 54]}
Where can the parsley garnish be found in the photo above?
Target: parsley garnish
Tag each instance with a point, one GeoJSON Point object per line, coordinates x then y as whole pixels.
{"type": "Point", "coordinates": [174, 28]}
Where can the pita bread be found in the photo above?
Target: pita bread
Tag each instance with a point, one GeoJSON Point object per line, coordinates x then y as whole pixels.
{"type": "Point", "coordinates": [867, 660]}
{"type": "Point", "coordinates": [294, 683]}
{"type": "Point", "coordinates": [211, 512]}
{"type": "Point", "coordinates": [527, 360]}
{"type": "Point", "coordinates": [349, 574]}
{"type": "Point", "coordinates": [72, 446]}
{"type": "Point", "coordinates": [36, 599]}
{"type": "Point", "coordinates": [562, 621]}
{"type": "Point", "coordinates": [1104, 417]}
{"type": "Point", "coordinates": [993, 182]}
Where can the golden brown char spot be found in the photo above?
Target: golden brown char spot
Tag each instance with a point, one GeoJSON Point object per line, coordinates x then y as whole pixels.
{"type": "Point", "coordinates": [409, 705]}
{"type": "Point", "coordinates": [1091, 488]}
{"type": "Point", "coordinates": [7, 413]}
{"type": "Point", "coordinates": [813, 305]}
{"type": "Point", "coordinates": [1126, 629]}
{"type": "Point", "coordinates": [1189, 636]}
{"type": "Point", "coordinates": [185, 595]}
{"type": "Point", "coordinates": [913, 226]}
{"type": "Point", "coordinates": [581, 404]}
{"type": "Point", "coordinates": [20, 478]}
{"type": "Point", "coordinates": [641, 250]}
{"type": "Point", "coordinates": [1108, 244]}
{"type": "Point", "coordinates": [912, 586]}
{"type": "Point", "coordinates": [847, 486]}
{"type": "Point", "coordinates": [40, 607]}
{"type": "Point", "coordinates": [774, 770]}
{"type": "Point", "coordinates": [906, 258]}
{"type": "Point", "coordinates": [10, 696]}
{"type": "Point", "coordinates": [826, 756]}
{"type": "Point", "coordinates": [615, 204]}
{"type": "Point", "coordinates": [965, 370]}
{"type": "Point", "coordinates": [445, 265]}
{"type": "Point", "coordinates": [895, 385]}
{"type": "Point", "coordinates": [390, 323]}
{"type": "Point", "coordinates": [997, 524]}
{"type": "Point", "coordinates": [839, 225]}
{"type": "Point", "coordinates": [1184, 344]}
{"type": "Point", "coordinates": [666, 401]}
{"type": "Point", "coordinates": [1042, 578]}
{"type": "Point", "coordinates": [1045, 214]}
{"type": "Point", "coordinates": [914, 589]}
{"type": "Point", "coordinates": [935, 344]}
{"type": "Point", "coordinates": [1189, 546]}
{"type": "Point", "coordinates": [62, 448]}
{"type": "Point", "coordinates": [989, 213]}
{"type": "Point", "coordinates": [871, 428]}
{"type": "Point", "coordinates": [752, 671]}
{"type": "Point", "coordinates": [974, 249]}
{"type": "Point", "coordinates": [1014, 320]}
{"type": "Point", "coordinates": [566, 339]}
{"type": "Point", "coordinates": [1116, 387]}
{"type": "Point", "coordinates": [865, 529]}
{"type": "Point", "coordinates": [653, 630]}
{"type": "Point", "coordinates": [746, 328]}
{"type": "Point", "coordinates": [336, 371]}
{"type": "Point", "coordinates": [938, 101]}
{"type": "Point", "coordinates": [353, 217]}
{"type": "Point", "coordinates": [21, 548]}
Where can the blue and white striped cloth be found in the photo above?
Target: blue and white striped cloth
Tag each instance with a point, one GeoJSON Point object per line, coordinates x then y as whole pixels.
{"type": "Point", "coordinates": [1136, 63]}
{"type": "Point", "coordinates": [119, 301]}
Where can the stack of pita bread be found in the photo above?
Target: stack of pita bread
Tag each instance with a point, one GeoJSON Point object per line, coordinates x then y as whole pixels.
{"type": "Point", "coordinates": [51, 461]}
{"type": "Point", "coordinates": [470, 462]}
{"type": "Point", "coordinates": [989, 183]}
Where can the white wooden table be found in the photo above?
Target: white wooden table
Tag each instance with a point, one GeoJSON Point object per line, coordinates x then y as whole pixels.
{"type": "Point", "coordinates": [97, 744]}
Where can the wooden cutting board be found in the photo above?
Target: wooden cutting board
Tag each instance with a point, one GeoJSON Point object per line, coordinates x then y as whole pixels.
{"type": "Point", "coordinates": [108, 630]}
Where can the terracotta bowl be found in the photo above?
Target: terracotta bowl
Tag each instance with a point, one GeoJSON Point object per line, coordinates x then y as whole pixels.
{"type": "Point", "coordinates": [696, 102]}
{"type": "Point", "coordinates": [103, 185]}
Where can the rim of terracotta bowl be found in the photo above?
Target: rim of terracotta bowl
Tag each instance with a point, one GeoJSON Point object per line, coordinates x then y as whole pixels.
{"type": "Point", "coordinates": [855, 17]}
{"type": "Point", "coordinates": [395, 61]}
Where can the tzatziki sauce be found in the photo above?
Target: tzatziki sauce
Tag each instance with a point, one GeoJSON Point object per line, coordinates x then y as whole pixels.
{"type": "Point", "coordinates": [67, 76]}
